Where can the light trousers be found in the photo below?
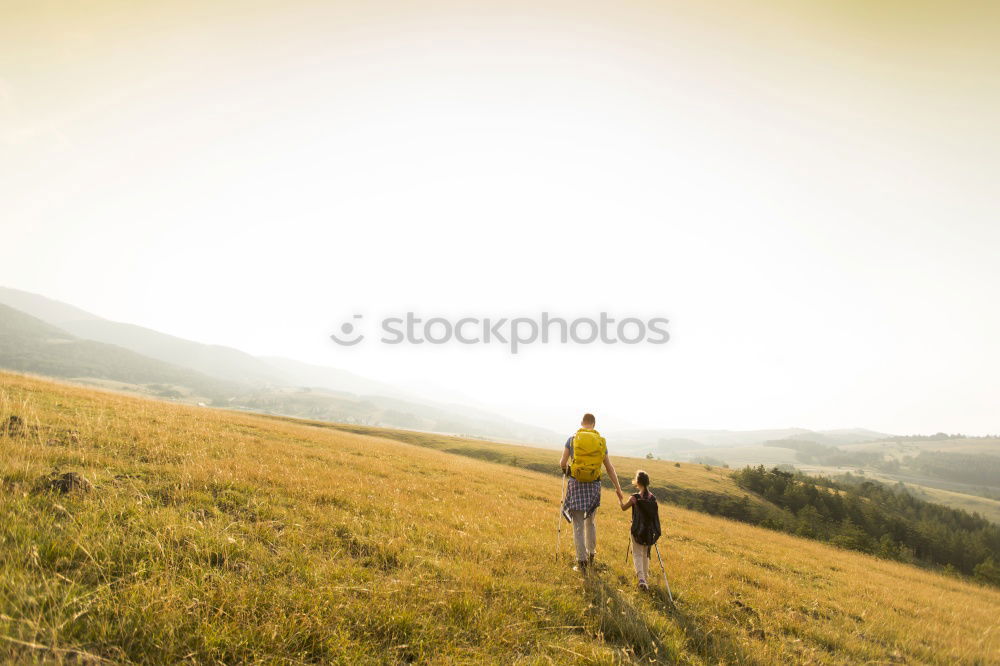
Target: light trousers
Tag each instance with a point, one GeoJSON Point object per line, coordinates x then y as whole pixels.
{"type": "Point", "coordinates": [640, 558]}
{"type": "Point", "coordinates": [584, 534]}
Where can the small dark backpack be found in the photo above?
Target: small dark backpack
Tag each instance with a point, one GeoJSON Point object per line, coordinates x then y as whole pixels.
{"type": "Point", "coordinates": [645, 519]}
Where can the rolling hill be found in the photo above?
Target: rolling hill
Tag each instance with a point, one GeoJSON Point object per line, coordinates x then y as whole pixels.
{"type": "Point", "coordinates": [216, 361]}
{"type": "Point", "coordinates": [952, 470]}
{"type": "Point", "coordinates": [141, 531]}
{"type": "Point", "coordinates": [28, 344]}
{"type": "Point", "coordinates": [173, 367]}
{"type": "Point", "coordinates": [691, 443]}
{"type": "Point", "coordinates": [956, 471]}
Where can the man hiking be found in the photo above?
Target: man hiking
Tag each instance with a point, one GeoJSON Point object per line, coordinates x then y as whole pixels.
{"type": "Point", "coordinates": [582, 458]}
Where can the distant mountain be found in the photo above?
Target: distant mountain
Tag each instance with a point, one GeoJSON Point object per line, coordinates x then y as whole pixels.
{"type": "Point", "coordinates": [422, 414]}
{"type": "Point", "coordinates": [216, 361]}
{"type": "Point", "coordinates": [90, 347]}
{"type": "Point", "coordinates": [664, 442]}
{"type": "Point", "coordinates": [846, 436]}
{"type": "Point", "coordinates": [40, 307]}
{"type": "Point", "coordinates": [297, 373]}
{"type": "Point", "coordinates": [323, 405]}
{"type": "Point", "coordinates": [28, 344]}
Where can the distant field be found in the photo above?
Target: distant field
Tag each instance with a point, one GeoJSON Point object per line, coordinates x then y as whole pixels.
{"type": "Point", "coordinates": [969, 497]}
{"type": "Point", "coordinates": [990, 446]}
{"type": "Point", "coordinates": [741, 456]}
{"type": "Point", "coordinates": [988, 508]}
{"type": "Point", "coordinates": [221, 537]}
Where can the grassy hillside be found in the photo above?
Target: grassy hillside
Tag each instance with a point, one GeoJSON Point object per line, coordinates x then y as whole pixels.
{"type": "Point", "coordinates": [962, 472]}
{"type": "Point", "coordinates": [669, 476]}
{"type": "Point", "coordinates": [987, 508]}
{"type": "Point", "coordinates": [872, 520]}
{"type": "Point", "coordinates": [204, 535]}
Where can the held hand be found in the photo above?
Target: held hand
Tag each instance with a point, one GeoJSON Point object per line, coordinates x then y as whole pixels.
{"type": "Point", "coordinates": [621, 495]}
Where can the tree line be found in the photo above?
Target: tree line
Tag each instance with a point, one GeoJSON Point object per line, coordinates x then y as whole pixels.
{"type": "Point", "coordinates": [863, 515]}
{"type": "Point", "coordinates": [969, 468]}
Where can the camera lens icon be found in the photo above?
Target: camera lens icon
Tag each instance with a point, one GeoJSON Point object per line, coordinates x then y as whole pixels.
{"type": "Point", "coordinates": [348, 329]}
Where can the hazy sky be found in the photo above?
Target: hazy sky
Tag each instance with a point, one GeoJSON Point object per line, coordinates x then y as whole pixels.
{"type": "Point", "coordinates": [807, 190]}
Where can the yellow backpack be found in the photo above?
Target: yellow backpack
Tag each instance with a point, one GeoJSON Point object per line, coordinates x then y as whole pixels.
{"type": "Point", "coordinates": [589, 449]}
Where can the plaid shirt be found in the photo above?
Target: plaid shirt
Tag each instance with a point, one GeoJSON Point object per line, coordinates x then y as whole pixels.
{"type": "Point", "coordinates": [581, 495]}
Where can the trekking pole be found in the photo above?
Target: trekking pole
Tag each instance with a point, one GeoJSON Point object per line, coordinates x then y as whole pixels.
{"type": "Point", "coordinates": [664, 573]}
{"type": "Point", "coordinates": [562, 501]}
{"type": "Point", "coordinates": [627, 549]}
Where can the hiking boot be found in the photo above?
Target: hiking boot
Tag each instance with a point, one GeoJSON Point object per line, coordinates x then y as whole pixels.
{"type": "Point", "coordinates": [581, 566]}
{"type": "Point", "coordinates": [643, 586]}
{"type": "Point", "coordinates": [590, 560]}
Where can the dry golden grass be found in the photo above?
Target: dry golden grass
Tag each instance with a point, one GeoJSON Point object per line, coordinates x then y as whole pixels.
{"type": "Point", "coordinates": [667, 474]}
{"type": "Point", "coordinates": [212, 536]}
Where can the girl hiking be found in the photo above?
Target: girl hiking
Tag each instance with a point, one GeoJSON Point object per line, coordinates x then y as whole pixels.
{"type": "Point", "coordinates": [645, 525]}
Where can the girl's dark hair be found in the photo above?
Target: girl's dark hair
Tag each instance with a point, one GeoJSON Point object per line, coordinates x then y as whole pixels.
{"type": "Point", "coordinates": [642, 478]}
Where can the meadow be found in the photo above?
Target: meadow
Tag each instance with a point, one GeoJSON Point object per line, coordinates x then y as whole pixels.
{"type": "Point", "coordinates": [141, 531]}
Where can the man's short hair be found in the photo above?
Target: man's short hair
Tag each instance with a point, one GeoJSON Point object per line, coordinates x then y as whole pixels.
{"type": "Point", "coordinates": [589, 420]}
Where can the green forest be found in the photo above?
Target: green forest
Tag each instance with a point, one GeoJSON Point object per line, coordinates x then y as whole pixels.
{"type": "Point", "coordinates": [859, 514]}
